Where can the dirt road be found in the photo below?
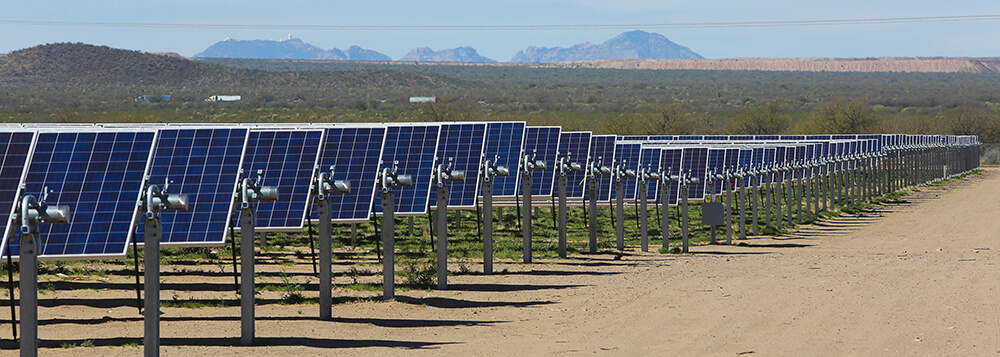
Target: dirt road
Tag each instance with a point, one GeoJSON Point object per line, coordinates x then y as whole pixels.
{"type": "Point", "coordinates": [913, 278]}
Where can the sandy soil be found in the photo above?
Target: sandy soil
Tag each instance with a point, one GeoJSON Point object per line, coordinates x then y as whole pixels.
{"type": "Point", "coordinates": [913, 278]}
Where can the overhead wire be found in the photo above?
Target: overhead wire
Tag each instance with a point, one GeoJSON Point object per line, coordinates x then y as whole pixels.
{"type": "Point", "coordinates": [678, 25]}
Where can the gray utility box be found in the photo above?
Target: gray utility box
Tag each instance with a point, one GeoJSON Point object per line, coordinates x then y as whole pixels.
{"type": "Point", "coordinates": [712, 214]}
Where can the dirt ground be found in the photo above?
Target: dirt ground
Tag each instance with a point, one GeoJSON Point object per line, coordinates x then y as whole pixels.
{"type": "Point", "coordinates": [916, 277]}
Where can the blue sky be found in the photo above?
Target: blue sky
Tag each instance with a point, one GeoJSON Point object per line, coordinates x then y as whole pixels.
{"type": "Point", "coordinates": [971, 38]}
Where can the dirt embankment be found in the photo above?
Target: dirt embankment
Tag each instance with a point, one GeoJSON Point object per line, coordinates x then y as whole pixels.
{"type": "Point", "coordinates": [891, 64]}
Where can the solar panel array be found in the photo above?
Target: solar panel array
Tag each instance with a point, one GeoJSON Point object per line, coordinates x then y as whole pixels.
{"type": "Point", "coordinates": [101, 170]}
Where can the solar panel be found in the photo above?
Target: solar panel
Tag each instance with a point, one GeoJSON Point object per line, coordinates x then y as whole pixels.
{"type": "Point", "coordinates": [543, 141]}
{"type": "Point", "coordinates": [602, 149]}
{"type": "Point", "coordinates": [671, 164]}
{"type": "Point", "coordinates": [627, 154]}
{"type": "Point", "coordinates": [462, 143]}
{"type": "Point", "coordinates": [288, 159]}
{"type": "Point", "coordinates": [99, 175]}
{"type": "Point", "coordinates": [732, 162]}
{"type": "Point", "coordinates": [771, 158]}
{"type": "Point", "coordinates": [716, 164]}
{"type": "Point", "coordinates": [505, 139]}
{"type": "Point", "coordinates": [354, 152]}
{"type": "Point", "coordinates": [800, 156]}
{"type": "Point", "coordinates": [203, 163]}
{"type": "Point", "coordinates": [695, 163]}
{"type": "Point", "coordinates": [716, 137]}
{"type": "Point", "coordinates": [649, 157]}
{"type": "Point", "coordinates": [414, 147]}
{"type": "Point", "coordinates": [15, 146]}
{"type": "Point", "coordinates": [576, 144]}
{"type": "Point", "coordinates": [746, 158]}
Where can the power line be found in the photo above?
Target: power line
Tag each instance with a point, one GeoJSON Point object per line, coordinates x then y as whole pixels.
{"type": "Point", "coordinates": [681, 25]}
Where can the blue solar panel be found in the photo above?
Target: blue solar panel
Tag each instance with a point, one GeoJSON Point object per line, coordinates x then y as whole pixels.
{"type": "Point", "coordinates": [779, 160]}
{"type": "Point", "coordinates": [577, 146]}
{"type": "Point", "coordinates": [354, 152]}
{"type": "Point", "coordinates": [627, 155]}
{"type": "Point", "coordinates": [415, 147]}
{"type": "Point", "coordinates": [695, 163]}
{"type": "Point", "coordinates": [800, 156]}
{"type": "Point", "coordinates": [671, 164]}
{"type": "Point", "coordinates": [602, 149]}
{"type": "Point", "coordinates": [740, 137]}
{"type": "Point", "coordinates": [505, 139]}
{"type": "Point", "coordinates": [14, 150]}
{"type": "Point", "coordinates": [288, 159]}
{"type": "Point", "coordinates": [543, 142]}
{"type": "Point", "coordinates": [716, 137]}
{"type": "Point", "coordinates": [663, 137]}
{"type": "Point", "coordinates": [463, 143]}
{"type": "Point", "coordinates": [634, 137]}
{"type": "Point", "coordinates": [99, 175]}
{"type": "Point", "coordinates": [649, 158]}
{"type": "Point", "coordinates": [716, 162]}
{"type": "Point", "coordinates": [765, 137]}
{"type": "Point", "coordinates": [746, 158]}
{"type": "Point", "coordinates": [203, 163]}
{"type": "Point", "coordinates": [732, 162]}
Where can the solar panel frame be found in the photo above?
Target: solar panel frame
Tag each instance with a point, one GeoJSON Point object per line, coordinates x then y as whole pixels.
{"type": "Point", "coordinates": [103, 219]}
{"type": "Point", "coordinates": [671, 163]}
{"type": "Point", "coordinates": [576, 144]}
{"type": "Point", "coordinates": [462, 142]}
{"type": "Point", "coordinates": [203, 162]}
{"type": "Point", "coordinates": [16, 146]}
{"type": "Point", "coordinates": [602, 149]}
{"type": "Point", "coordinates": [355, 152]}
{"type": "Point", "coordinates": [415, 147]}
{"type": "Point", "coordinates": [291, 160]}
{"type": "Point", "coordinates": [695, 162]}
{"type": "Point", "coordinates": [542, 141]}
{"type": "Point", "coordinates": [504, 145]}
{"type": "Point", "coordinates": [627, 154]}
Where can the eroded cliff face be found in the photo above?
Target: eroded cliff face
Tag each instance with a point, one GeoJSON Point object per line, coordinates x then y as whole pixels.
{"type": "Point", "coordinates": [890, 64]}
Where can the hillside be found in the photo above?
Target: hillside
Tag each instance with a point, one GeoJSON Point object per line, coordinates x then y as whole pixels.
{"type": "Point", "coordinates": [628, 45]}
{"type": "Point", "coordinates": [81, 64]}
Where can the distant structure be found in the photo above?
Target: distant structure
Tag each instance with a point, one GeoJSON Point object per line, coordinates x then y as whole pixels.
{"type": "Point", "coordinates": [425, 99]}
{"type": "Point", "coordinates": [153, 98]}
{"type": "Point", "coordinates": [223, 98]}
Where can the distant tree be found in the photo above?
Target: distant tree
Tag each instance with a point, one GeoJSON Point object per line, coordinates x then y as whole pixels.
{"type": "Point", "coordinates": [762, 118]}
{"type": "Point", "coordinates": [976, 120]}
{"type": "Point", "coordinates": [670, 119]}
{"type": "Point", "coordinates": [841, 116]}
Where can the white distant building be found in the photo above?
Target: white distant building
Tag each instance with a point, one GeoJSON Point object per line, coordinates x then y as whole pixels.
{"type": "Point", "coordinates": [425, 99]}
{"type": "Point", "coordinates": [223, 98]}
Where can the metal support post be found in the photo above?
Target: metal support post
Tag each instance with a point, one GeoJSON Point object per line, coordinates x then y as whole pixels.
{"type": "Point", "coordinates": [684, 218]}
{"type": "Point", "coordinates": [592, 186]}
{"type": "Point", "coordinates": [488, 226]}
{"type": "Point", "coordinates": [620, 214]}
{"type": "Point", "coordinates": [526, 201]}
{"type": "Point", "coordinates": [247, 218]}
{"type": "Point", "coordinates": [388, 246]}
{"type": "Point", "coordinates": [151, 277]}
{"type": "Point", "coordinates": [442, 236]}
{"type": "Point", "coordinates": [562, 215]}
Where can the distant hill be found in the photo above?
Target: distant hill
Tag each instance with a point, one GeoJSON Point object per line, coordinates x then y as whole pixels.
{"type": "Point", "coordinates": [81, 64]}
{"type": "Point", "coordinates": [292, 48]}
{"type": "Point", "coordinates": [459, 54]}
{"type": "Point", "coordinates": [628, 45]}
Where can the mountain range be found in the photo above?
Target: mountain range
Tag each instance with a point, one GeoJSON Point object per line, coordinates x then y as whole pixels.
{"type": "Point", "coordinates": [629, 45]}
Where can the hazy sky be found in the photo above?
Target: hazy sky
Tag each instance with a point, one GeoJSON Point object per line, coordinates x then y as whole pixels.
{"type": "Point", "coordinates": [968, 38]}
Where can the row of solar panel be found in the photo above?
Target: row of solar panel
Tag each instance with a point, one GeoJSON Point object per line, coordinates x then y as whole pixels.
{"type": "Point", "coordinates": [101, 170]}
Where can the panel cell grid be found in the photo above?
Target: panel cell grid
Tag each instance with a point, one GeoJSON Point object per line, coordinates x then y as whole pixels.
{"type": "Point", "coordinates": [504, 142]}
{"type": "Point", "coordinates": [649, 158]}
{"type": "Point", "coordinates": [543, 142]}
{"type": "Point", "coordinates": [602, 151]}
{"type": "Point", "coordinates": [203, 163]}
{"type": "Point", "coordinates": [463, 145]}
{"type": "Point", "coordinates": [575, 145]}
{"type": "Point", "coordinates": [415, 148]}
{"type": "Point", "coordinates": [99, 175]}
{"type": "Point", "coordinates": [627, 155]}
{"type": "Point", "coordinates": [695, 163]}
{"type": "Point", "coordinates": [288, 159]}
{"type": "Point", "coordinates": [14, 150]}
{"type": "Point", "coordinates": [671, 164]}
{"type": "Point", "coordinates": [354, 153]}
